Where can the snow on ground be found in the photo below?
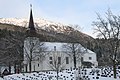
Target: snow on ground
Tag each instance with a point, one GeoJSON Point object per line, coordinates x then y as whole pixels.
{"type": "Point", "coordinates": [1, 79]}
{"type": "Point", "coordinates": [68, 74]}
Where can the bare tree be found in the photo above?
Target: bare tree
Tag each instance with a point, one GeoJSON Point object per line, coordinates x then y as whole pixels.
{"type": "Point", "coordinates": [75, 51]}
{"type": "Point", "coordinates": [12, 48]}
{"type": "Point", "coordinates": [33, 48]}
{"type": "Point", "coordinates": [109, 29]}
{"type": "Point", "coordinates": [57, 60]}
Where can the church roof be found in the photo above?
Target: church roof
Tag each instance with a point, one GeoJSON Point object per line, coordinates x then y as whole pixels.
{"type": "Point", "coordinates": [59, 47]}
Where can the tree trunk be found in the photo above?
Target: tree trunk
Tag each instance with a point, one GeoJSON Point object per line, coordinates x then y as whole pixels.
{"type": "Point", "coordinates": [20, 67]}
{"type": "Point", "coordinates": [26, 68]}
{"type": "Point", "coordinates": [57, 74]}
{"type": "Point", "coordinates": [74, 60]}
{"type": "Point", "coordinates": [114, 69]}
{"type": "Point", "coordinates": [30, 66]}
{"type": "Point", "coordinates": [14, 67]}
{"type": "Point", "coordinates": [74, 57]}
{"type": "Point", "coordinates": [9, 68]}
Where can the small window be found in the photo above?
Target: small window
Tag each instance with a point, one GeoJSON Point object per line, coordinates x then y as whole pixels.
{"type": "Point", "coordinates": [81, 59]}
{"type": "Point", "coordinates": [51, 62]}
{"type": "Point", "coordinates": [67, 60]}
{"type": "Point", "coordinates": [59, 60]}
{"type": "Point", "coordinates": [34, 67]}
{"type": "Point", "coordinates": [90, 58]}
{"type": "Point", "coordinates": [50, 58]}
{"type": "Point", "coordinates": [38, 65]}
{"type": "Point", "coordinates": [38, 59]}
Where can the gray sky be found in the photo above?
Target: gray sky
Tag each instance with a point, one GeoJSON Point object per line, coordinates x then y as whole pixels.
{"type": "Point", "coordinates": [75, 12]}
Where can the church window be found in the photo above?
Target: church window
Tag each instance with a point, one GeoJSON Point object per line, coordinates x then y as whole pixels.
{"type": "Point", "coordinates": [51, 62]}
{"type": "Point", "coordinates": [38, 65]}
{"type": "Point", "coordinates": [50, 58]}
{"type": "Point", "coordinates": [90, 58]}
{"type": "Point", "coordinates": [38, 59]}
{"type": "Point", "coordinates": [67, 60]}
{"type": "Point", "coordinates": [59, 60]}
{"type": "Point", "coordinates": [81, 59]}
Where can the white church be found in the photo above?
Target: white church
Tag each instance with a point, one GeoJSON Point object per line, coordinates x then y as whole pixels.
{"type": "Point", "coordinates": [40, 56]}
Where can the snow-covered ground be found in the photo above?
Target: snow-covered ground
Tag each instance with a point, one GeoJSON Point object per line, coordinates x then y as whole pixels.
{"type": "Point", "coordinates": [68, 74]}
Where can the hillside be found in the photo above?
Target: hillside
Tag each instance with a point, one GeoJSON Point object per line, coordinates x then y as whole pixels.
{"type": "Point", "coordinates": [47, 30]}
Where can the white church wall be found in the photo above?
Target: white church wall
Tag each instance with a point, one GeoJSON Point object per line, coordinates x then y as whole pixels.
{"type": "Point", "coordinates": [52, 52]}
{"type": "Point", "coordinates": [90, 57]}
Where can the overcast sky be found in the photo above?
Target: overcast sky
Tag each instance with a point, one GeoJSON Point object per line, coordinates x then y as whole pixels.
{"type": "Point", "coordinates": [75, 12]}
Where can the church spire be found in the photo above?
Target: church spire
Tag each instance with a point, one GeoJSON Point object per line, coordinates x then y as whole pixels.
{"type": "Point", "coordinates": [31, 22]}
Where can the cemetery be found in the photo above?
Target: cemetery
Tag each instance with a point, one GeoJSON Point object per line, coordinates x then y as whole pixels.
{"type": "Point", "coordinates": [68, 74]}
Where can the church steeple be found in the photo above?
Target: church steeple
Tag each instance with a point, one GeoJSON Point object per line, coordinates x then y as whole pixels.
{"type": "Point", "coordinates": [31, 32]}
{"type": "Point", "coordinates": [31, 22]}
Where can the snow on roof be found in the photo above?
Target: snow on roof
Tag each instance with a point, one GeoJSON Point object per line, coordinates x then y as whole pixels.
{"type": "Point", "coordinates": [50, 46]}
{"type": "Point", "coordinates": [59, 47]}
